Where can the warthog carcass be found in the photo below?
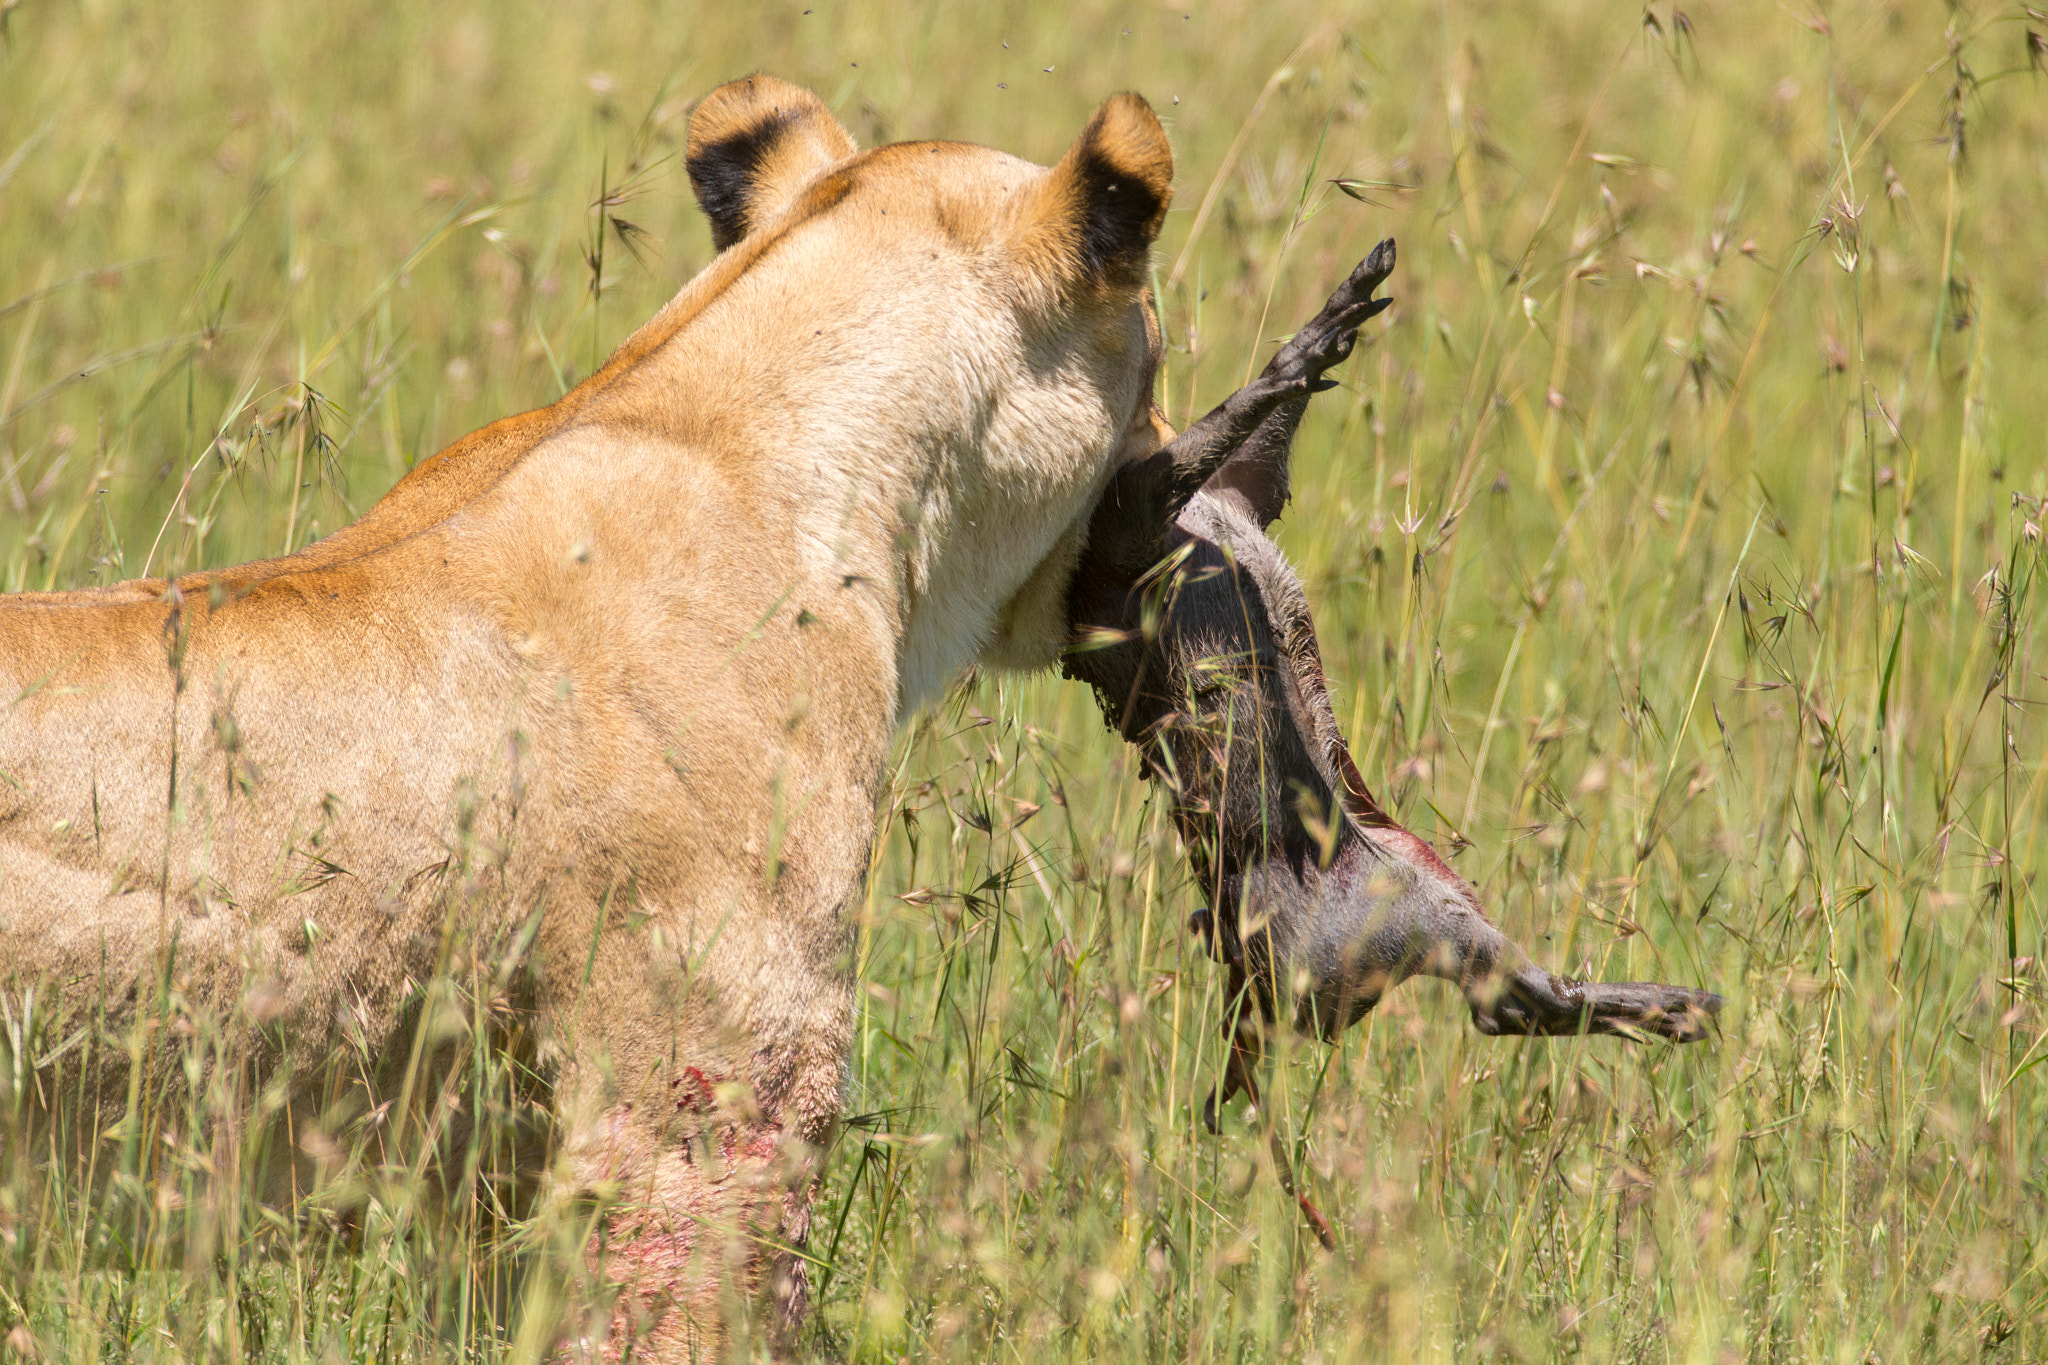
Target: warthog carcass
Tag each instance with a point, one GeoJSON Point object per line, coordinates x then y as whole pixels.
{"type": "Point", "coordinates": [1196, 636]}
{"type": "Point", "coordinates": [607, 688]}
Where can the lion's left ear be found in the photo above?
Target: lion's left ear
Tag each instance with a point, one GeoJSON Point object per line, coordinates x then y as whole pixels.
{"type": "Point", "coordinates": [754, 143]}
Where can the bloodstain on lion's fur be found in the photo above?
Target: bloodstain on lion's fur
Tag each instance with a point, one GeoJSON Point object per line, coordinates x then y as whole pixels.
{"type": "Point", "coordinates": [685, 1235]}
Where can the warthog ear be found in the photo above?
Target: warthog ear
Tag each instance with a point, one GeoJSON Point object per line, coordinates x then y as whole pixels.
{"type": "Point", "coordinates": [1094, 217]}
{"type": "Point", "coordinates": [754, 143]}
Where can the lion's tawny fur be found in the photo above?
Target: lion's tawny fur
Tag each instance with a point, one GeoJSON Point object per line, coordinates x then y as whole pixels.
{"type": "Point", "coordinates": [622, 671]}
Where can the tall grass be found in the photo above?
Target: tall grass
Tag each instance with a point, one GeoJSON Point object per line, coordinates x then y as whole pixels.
{"type": "Point", "coordinates": [1676, 551]}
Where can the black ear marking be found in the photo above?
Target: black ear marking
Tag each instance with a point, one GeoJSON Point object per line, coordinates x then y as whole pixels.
{"type": "Point", "coordinates": [1120, 211]}
{"type": "Point", "coordinates": [754, 143]}
{"type": "Point", "coordinates": [723, 175]}
{"type": "Point", "coordinates": [1094, 217]}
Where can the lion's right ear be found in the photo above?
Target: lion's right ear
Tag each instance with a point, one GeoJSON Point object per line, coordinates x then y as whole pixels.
{"type": "Point", "coordinates": [1094, 217]}
{"type": "Point", "coordinates": [754, 143]}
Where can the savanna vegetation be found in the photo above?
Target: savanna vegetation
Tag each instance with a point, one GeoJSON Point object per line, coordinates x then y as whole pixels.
{"type": "Point", "coordinates": [1675, 544]}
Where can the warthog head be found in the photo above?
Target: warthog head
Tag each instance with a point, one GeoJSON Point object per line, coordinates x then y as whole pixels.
{"type": "Point", "coordinates": [1193, 629]}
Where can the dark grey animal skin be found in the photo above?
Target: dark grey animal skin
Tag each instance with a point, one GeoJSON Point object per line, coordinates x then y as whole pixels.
{"type": "Point", "coordinates": [1193, 630]}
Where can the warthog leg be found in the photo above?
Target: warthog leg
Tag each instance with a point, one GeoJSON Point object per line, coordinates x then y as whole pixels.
{"type": "Point", "coordinates": [1532, 1002]}
{"type": "Point", "coordinates": [1240, 1075]}
{"type": "Point", "coordinates": [1259, 419]}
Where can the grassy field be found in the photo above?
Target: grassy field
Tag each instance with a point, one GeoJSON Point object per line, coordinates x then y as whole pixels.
{"type": "Point", "coordinates": [1675, 544]}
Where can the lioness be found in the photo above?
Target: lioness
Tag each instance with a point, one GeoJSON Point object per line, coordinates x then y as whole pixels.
{"type": "Point", "coordinates": [619, 675]}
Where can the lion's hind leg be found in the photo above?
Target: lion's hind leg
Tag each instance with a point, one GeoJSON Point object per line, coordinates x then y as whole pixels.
{"type": "Point", "coordinates": [694, 1215]}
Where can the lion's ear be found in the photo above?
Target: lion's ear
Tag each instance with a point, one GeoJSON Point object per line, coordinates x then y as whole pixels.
{"type": "Point", "coordinates": [753, 144]}
{"type": "Point", "coordinates": [1094, 217]}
